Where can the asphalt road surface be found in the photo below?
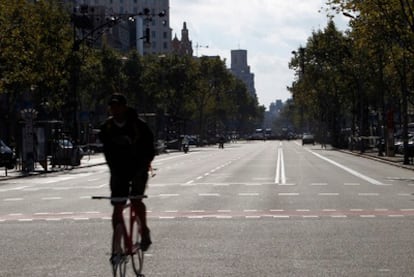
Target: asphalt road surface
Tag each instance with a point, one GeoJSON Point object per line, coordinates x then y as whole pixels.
{"type": "Point", "coordinates": [251, 209]}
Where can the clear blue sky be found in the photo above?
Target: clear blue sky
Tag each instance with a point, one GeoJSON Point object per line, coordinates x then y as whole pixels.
{"type": "Point", "coordinates": [268, 29]}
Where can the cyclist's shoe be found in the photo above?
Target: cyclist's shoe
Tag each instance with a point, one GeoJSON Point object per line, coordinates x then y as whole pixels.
{"type": "Point", "coordinates": [145, 240]}
{"type": "Point", "coordinates": [116, 258]}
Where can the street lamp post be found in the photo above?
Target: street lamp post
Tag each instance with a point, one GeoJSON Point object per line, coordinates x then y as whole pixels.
{"type": "Point", "coordinates": [197, 46]}
{"type": "Point", "coordinates": [86, 28]}
{"type": "Point", "coordinates": [145, 18]}
{"type": "Point", "coordinates": [83, 29]}
{"type": "Point", "coordinates": [301, 56]}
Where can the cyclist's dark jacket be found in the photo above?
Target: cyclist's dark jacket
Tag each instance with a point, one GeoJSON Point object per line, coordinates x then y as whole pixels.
{"type": "Point", "coordinates": [129, 148]}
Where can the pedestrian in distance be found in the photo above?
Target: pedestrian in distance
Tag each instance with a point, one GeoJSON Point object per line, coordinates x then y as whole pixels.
{"type": "Point", "coordinates": [323, 142]}
{"type": "Point", "coordinates": [185, 144]}
{"type": "Point", "coordinates": [128, 146]}
{"type": "Point", "coordinates": [221, 142]}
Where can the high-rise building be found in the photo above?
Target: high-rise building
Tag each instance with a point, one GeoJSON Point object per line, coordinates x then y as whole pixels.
{"type": "Point", "coordinates": [153, 21]}
{"type": "Point", "coordinates": [241, 69]}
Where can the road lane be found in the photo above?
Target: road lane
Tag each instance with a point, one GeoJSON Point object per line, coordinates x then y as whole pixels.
{"type": "Point", "coordinates": [235, 219]}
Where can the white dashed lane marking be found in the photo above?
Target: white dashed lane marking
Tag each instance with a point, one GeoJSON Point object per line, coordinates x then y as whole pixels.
{"type": "Point", "coordinates": [217, 214]}
{"type": "Point", "coordinates": [319, 184]}
{"type": "Point", "coordinates": [209, 194]}
{"type": "Point", "coordinates": [249, 194]}
{"type": "Point", "coordinates": [212, 171]}
{"type": "Point", "coordinates": [288, 194]}
{"type": "Point", "coordinates": [368, 194]}
{"type": "Point", "coordinates": [216, 194]}
{"type": "Point", "coordinates": [13, 199]}
{"type": "Point", "coordinates": [52, 198]}
{"type": "Point", "coordinates": [168, 195]}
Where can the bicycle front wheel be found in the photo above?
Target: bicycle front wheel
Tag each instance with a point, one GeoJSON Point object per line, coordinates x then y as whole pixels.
{"type": "Point", "coordinates": [119, 257]}
{"type": "Point", "coordinates": [137, 254]}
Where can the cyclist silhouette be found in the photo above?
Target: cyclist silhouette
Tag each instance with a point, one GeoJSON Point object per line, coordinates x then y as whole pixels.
{"type": "Point", "coordinates": [128, 146]}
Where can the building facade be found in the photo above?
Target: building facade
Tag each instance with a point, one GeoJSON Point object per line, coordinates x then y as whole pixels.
{"type": "Point", "coordinates": [131, 31]}
{"type": "Point", "coordinates": [241, 69]}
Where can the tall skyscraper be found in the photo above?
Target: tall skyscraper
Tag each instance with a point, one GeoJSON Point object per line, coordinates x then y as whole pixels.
{"type": "Point", "coordinates": [241, 69]}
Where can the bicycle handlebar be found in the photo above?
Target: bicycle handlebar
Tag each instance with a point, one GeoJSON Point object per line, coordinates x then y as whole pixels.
{"type": "Point", "coordinates": [119, 198]}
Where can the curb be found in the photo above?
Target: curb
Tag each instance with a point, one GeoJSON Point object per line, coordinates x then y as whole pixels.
{"type": "Point", "coordinates": [40, 173]}
{"type": "Point", "coordinates": [378, 159]}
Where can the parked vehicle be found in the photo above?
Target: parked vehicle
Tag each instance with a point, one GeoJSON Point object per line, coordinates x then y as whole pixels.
{"type": "Point", "coordinates": [65, 153]}
{"type": "Point", "coordinates": [7, 157]}
{"type": "Point", "coordinates": [94, 144]}
{"type": "Point", "coordinates": [308, 139]}
{"type": "Point", "coordinates": [399, 145]}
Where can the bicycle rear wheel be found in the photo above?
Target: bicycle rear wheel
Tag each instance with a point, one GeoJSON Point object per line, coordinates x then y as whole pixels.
{"type": "Point", "coordinates": [119, 258]}
{"type": "Point", "coordinates": [137, 255]}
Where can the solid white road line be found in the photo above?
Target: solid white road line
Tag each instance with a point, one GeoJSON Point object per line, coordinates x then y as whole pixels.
{"type": "Point", "coordinates": [280, 168]}
{"type": "Point", "coordinates": [349, 170]}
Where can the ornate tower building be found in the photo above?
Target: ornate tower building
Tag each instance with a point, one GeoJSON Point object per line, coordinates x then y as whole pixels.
{"type": "Point", "coordinates": [183, 46]}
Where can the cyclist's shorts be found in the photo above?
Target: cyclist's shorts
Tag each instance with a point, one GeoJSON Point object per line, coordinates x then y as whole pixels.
{"type": "Point", "coordinates": [122, 186]}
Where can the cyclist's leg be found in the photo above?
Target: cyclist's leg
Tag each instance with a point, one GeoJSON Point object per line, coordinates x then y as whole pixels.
{"type": "Point", "coordinates": [118, 257]}
{"type": "Point", "coordinates": [141, 211]}
{"type": "Point", "coordinates": [117, 215]}
{"type": "Point", "coordinates": [119, 188]}
{"type": "Point", "coordinates": [138, 186]}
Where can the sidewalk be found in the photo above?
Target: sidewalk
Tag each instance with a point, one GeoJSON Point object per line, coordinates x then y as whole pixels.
{"type": "Point", "coordinates": [87, 161]}
{"type": "Point", "coordinates": [397, 160]}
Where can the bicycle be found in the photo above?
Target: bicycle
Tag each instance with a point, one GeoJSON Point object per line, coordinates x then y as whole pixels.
{"type": "Point", "coordinates": [126, 241]}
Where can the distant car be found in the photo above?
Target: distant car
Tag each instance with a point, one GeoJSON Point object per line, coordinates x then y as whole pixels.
{"type": "Point", "coordinates": [308, 139]}
{"type": "Point", "coordinates": [65, 153]}
{"type": "Point", "coordinates": [7, 158]}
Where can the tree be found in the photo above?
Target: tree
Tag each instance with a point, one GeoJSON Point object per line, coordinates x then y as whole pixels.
{"type": "Point", "coordinates": [390, 25]}
{"type": "Point", "coordinates": [213, 83]}
{"type": "Point", "coordinates": [321, 90]}
{"type": "Point", "coordinates": [40, 62]}
{"type": "Point", "coordinates": [34, 45]}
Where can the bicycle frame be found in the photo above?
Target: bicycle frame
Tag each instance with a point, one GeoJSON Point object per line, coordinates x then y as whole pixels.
{"type": "Point", "coordinates": [129, 232]}
{"type": "Point", "coordinates": [131, 247]}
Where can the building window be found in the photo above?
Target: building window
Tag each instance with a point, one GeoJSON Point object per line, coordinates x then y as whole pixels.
{"type": "Point", "coordinates": [165, 45]}
{"type": "Point", "coordinates": [165, 35]}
